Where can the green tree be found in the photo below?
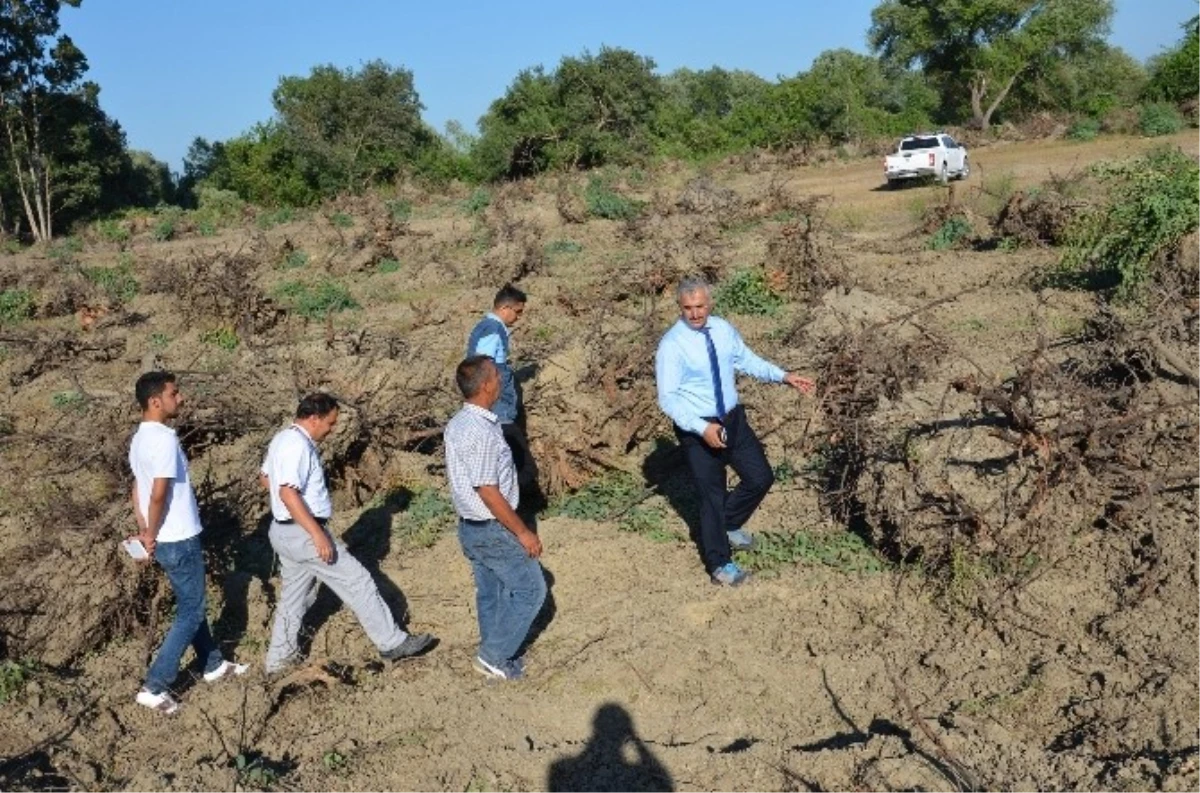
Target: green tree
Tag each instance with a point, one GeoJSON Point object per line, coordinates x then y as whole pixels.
{"type": "Point", "coordinates": [1175, 75]}
{"type": "Point", "coordinates": [978, 50]}
{"type": "Point", "coordinates": [693, 118]}
{"type": "Point", "coordinates": [351, 129]}
{"type": "Point", "coordinates": [38, 70]}
{"type": "Point", "coordinates": [1091, 81]}
{"type": "Point", "coordinates": [593, 110]}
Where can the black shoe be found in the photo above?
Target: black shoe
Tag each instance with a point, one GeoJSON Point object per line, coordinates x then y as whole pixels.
{"type": "Point", "coordinates": [415, 644]}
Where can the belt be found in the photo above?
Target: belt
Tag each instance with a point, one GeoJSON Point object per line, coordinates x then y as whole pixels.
{"type": "Point", "coordinates": [473, 522]}
{"type": "Point", "coordinates": [290, 521]}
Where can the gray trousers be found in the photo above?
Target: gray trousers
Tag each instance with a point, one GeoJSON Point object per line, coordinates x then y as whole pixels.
{"type": "Point", "coordinates": [302, 571]}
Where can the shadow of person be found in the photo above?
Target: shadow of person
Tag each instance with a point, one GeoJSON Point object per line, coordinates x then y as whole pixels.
{"type": "Point", "coordinates": [615, 758]}
{"type": "Point", "coordinates": [665, 469]}
{"type": "Point", "coordinates": [250, 557]}
{"type": "Point", "coordinates": [369, 540]}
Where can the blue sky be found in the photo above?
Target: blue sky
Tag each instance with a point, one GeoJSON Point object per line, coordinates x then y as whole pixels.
{"type": "Point", "coordinates": [170, 71]}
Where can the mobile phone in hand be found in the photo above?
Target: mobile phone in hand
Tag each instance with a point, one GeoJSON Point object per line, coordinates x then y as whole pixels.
{"type": "Point", "coordinates": [133, 546]}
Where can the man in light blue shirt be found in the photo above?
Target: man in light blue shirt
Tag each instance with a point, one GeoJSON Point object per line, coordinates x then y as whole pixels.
{"type": "Point", "coordinates": [490, 337]}
{"type": "Point", "coordinates": [694, 369]}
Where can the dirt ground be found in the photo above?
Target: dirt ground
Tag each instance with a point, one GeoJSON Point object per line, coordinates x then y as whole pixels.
{"type": "Point", "coordinates": [825, 672]}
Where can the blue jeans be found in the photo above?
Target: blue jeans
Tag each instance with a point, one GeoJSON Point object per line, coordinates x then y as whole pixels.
{"type": "Point", "coordinates": [183, 562]}
{"type": "Point", "coordinates": [509, 587]}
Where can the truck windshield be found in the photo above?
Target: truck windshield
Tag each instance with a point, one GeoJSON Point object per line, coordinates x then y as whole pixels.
{"type": "Point", "coordinates": [910, 144]}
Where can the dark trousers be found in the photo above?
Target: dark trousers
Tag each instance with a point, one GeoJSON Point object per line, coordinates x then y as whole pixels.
{"type": "Point", "coordinates": [721, 511]}
{"type": "Point", "coordinates": [527, 470]}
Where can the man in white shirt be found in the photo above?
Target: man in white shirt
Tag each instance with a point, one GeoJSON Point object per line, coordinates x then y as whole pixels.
{"type": "Point", "coordinates": [168, 520]}
{"type": "Point", "coordinates": [308, 554]}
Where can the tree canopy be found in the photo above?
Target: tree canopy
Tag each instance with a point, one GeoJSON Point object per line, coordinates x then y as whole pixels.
{"type": "Point", "coordinates": [977, 50]}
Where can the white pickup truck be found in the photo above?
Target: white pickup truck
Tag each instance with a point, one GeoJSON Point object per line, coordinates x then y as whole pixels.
{"type": "Point", "coordinates": [928, 154]}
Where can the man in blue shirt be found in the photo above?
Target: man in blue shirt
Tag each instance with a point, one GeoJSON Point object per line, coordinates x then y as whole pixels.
{"type": "Point", "coordinates": [694, 369]}
{"type": "Point", "coordinates": [490, 337]}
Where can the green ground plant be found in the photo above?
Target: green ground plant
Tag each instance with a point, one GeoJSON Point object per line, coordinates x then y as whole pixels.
{"type": "Point", "coordinates": [841, 550]}
{"type": "Point", "coordinates": [277, 217]}
{"type": "Point", "coordinates": [427, 516]}
{"type": "Point", "coordinates": [387, 266]}
{"type": "Point", "coordinates": [949, 234]}
{"type": "Point", "coordinates": [118, 283]}
{"type": "Point", "coordinates": [112, 231]}
{"type": "Point", "coordinates": [601, 498]}
{"type": "Point", "coordinates": [1084, 129]}
{"type": "Point", "coordinates": [479, 201]}
{"type": "Point", "coordinates": [747, 292]}
{"type": "Point", "coordinates": [341, 220]}
{"type": "Point", "coordinates": [295, 260]}
{"type": "Point", "coordinates": [316, 300]}
{"type": "Point", "coordinates": [13, 677]}
{"type": "Point", "coordinates": [401, 209]}
{"type": "Point", "coordinates": [16, 306]}
{"type": "Point", "coordinates": [569, 247]}
{"type": "Point", "coordinates": [604, 202]}
{"type": "Point", "coordinates": [223, 338]}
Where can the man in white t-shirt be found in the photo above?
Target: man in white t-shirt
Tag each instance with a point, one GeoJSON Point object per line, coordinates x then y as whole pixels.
{"type": "Point", "coordinates": [308, 554]}
{"type": "Point", "coordinates": [168, 520]}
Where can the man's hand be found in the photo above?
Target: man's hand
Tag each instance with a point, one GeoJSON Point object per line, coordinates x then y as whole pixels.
{"type": "Point", "coordinates": [148, 542]}
{"type": "Point", "coordinates": [801, 384]}
{"type": "Point", "coordinates": [712, 435]}
{"type": "Point", "coordinates": [531, 543]}
{"type": "Point", "coordinates": [324, 546]}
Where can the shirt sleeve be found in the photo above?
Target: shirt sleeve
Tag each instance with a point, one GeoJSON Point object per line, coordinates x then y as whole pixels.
{"type": "Point", "coordinates": [668, 375]}
{"type": "Point", "coordinates": [162, 458]}
{"type": "Point", "coordinates": [292, 466]}
{"type": "Point", "coordinates": [492, 346]}
{"type": "Point", "coordinates": [744, 360]}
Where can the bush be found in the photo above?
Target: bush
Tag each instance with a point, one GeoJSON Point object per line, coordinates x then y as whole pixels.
{"type": "Point", "coordinates": [388, 266]}
{"type": "Point", "coordinates": [950, 233]}
{"type": "Point", "coordinates": [1152, 204]}
{"type": "Point", "coordinates": [341, 220]}
{"type": "Point", "coordinates": [479, 201]}
{"type": "Point", "coordinates": [316, 301]}
{"type": "Point", "coordinates": [112, 231]}
{"type": "Point", "coordinates": [604, 202]}
{"type": "Point", "coordinates": [400, 209]}
{"type": "Point", "coordinates": [295, 260]}
{"type": "Point", "coordinates": [564, 246]}
{"type": "Point", "coordinates": [1159, 118]}
{"type": "Point", "coordinates": [224, 338]}
{"type": "Point", "coordinates": [1084, 129]}
{"type": "Point", "coordinates": [275, 218]}
{"type": "Point", "coordinates": [118, 282]}
{"type": "Point", "coordinates": [222, 206]}
{"type": "Point", "coordinates": [747, 292]}
{"type": "Point", "coordinates": [16, 305]}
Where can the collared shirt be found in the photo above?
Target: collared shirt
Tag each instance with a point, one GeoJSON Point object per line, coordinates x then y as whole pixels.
{"type": "Point", "coordinates": [155, 453]}
{"type": "Point", "coordinates": [683, 372]}
{"type": "Point", "coordinates": [477, 455]}
{"type": "Point", "coordinates": [490, 337]}
{"type": "Point", "coordinates": [293, 461]}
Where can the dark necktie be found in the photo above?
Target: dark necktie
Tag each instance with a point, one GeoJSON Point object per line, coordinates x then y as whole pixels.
{"type": "Point", "coordinates": [716, 372]}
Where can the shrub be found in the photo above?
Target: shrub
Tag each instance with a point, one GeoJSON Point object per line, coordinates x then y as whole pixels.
{"type": "Point", "coordinates": [604, 202]}
{"type": "Point", "coordinates": [224, 338]}
{"type": "Point", "coordinates": [747, 292]}
{"type": "Point", "coordinates": [1084, 129]}
{"type": "Point", "coordinates": [316, 301]}
{"type": "Point", "coordinates": [1159, 118]}
{"type": "Point", "coordinates": [387, 266]}
{"type": "Point", "coordinates": [223, 206]}
{"type": "Point", "coordinates": [118, 283]}
{"type": "Point", "coordinates": [564, 246]}
{"type": "Point", "coordinates": [16, 305]}
{"type": "Point", "coordinates": [64, 251]}
{"type": "Point", "coordinates": [13, 676]}
{"type": "Point", "coordinates": [844, 551]}
{"type": "Point", "coordinates": [400, 209]}
{"type": "Point", "coordinates": [341, 220]}
{"type": "Point", "coordinates": [274, 218]}
{"type": "Point", "coordinates": [479, 201]}
{"type": "Point", "coordinates": [950, 233]}
{"type": "Point", "coordinates": [166, 223]}
{"type": "Point", "coordinates": [112, 231]}
{"type": "Point", "coordinates": [427, 515]}
{"type": "Point", "coordinates": [600, 498]}
{"type": "Point", "coordinates": [294, 260]}
{"type": "Point", "coordinates": [1152, 204]}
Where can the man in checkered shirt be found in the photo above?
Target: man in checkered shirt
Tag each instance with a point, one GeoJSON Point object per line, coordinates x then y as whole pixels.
{"type": "Point", "coordinates": [509, 584]}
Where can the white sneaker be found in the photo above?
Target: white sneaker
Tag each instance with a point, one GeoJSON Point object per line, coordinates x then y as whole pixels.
{"type": "Point", "coordinates": [164, 703]}
{"type": "Point", "coordinates": [224, 670]}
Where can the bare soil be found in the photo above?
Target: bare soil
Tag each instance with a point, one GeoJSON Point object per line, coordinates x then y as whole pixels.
{"type": "Point", "coordinates": [1079, 673]}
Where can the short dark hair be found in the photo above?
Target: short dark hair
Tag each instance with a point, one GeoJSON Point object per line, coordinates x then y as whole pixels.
{"type": "Point", "coordinates": [319, 404]}
{"type": "Point", "coordinates": [508, 295]}
{"type": "Point", "coordinates": [471, 374]}
{"type": "Point", "coordinates": [150, 385]}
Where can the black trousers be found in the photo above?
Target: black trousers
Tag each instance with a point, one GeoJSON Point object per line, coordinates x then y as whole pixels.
{"type": "Point", "coordinates": [721, 511]}
{"type": "Point", "coordinates": [527, 470]}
